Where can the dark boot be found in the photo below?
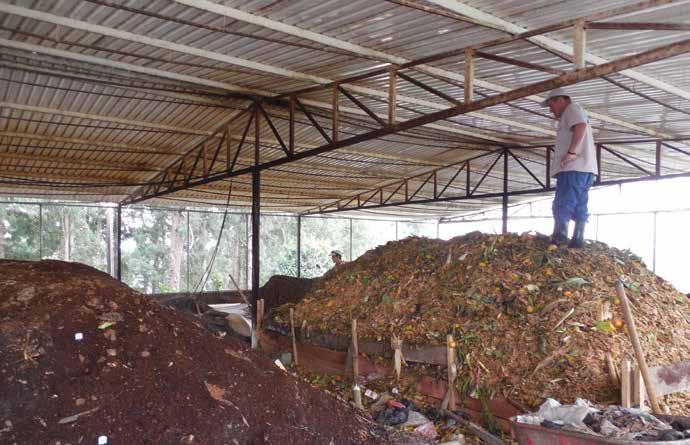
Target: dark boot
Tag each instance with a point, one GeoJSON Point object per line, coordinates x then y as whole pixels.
{"type": "Point", "coordinates": [578, 241]}
{"type": "Point", "coordinates": [560, 233]}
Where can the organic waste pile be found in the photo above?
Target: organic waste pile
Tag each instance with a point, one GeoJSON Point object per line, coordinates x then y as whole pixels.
{"type": "Point", "coordinates": [529, 320]}
{"type": "Point", "coordinates": [281, 289]}
{"type": "Point", "coordinates": [84, 356]}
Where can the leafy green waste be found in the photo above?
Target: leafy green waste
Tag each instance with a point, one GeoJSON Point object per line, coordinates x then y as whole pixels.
{"type": "Point", "coordinates": [506, 301]}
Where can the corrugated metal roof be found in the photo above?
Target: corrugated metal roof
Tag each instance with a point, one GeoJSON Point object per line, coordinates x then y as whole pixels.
{"type": "Point", "coordinates": [99, 112]}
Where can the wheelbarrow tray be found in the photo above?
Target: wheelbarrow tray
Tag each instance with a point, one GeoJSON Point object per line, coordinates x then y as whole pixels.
{"type": "Point", "coordinates": [527, 434]}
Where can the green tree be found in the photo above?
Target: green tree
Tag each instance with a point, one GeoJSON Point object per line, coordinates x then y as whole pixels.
{"type": "Point", "coordinates": [19, 227]}
{"type": "Point", "coordinates": [146, 243]}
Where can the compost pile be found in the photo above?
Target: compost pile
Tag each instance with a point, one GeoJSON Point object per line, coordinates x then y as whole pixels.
{"type": "Point", "coordinates": [530, 321]}
{"type": "Point", "coordinates": [84, 356]}
{"type": "Point", "coordinates": [281, 289]}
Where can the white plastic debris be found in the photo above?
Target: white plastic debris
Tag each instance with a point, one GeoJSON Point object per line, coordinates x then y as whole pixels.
{"type": "Point", "coordinates": [371, 394]}
{"type": "Point", "coordinates": [427, 430]}
{"type": "Point", "coordinates": [530, 420]}
{"type": "Point", "coordinates": [78, 336]}
{"type": "Point", "coordinates": [102, 440]}
{"type": "Point", "coordinates": [280, 364]}
{"type": "Point", "coordinates": [569, 414]}
{"type": "Point", "coordinates": [415, 419]}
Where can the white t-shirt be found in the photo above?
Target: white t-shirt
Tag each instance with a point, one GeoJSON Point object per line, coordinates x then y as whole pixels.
{"type": "Point", "coordinates": [586, 160]}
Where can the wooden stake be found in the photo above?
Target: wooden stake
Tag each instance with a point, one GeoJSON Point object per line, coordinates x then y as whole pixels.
{"type": "Point", "coordinates": [625, 384]}
{"type": "Point", "coordinates": [294, 340]}
{"type": "Point", "coordinates": [355, 352]}
{"type": "Point", "coordinates": [483, 434]}
{"type": "Point", "coordinates": [638, 390]}
{"type": "Point", "coordinates": [613, 372]}
{"type": "Point", "coordinates": [396, 344]}
{"type": "Point", "coordinates": [641, 362]}
{"type": "Point", "coordinates": [452, 372]}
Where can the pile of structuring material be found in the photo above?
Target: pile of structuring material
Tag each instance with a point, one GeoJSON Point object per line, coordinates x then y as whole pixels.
{"type": "Point", "coordinates": [529, 320]}
{"type": "Point", "coordinates": [84, 356]}
{"type": "Point", "coordinates": [281, 289]}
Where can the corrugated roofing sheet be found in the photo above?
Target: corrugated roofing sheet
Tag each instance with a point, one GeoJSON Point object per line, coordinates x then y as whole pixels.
{"type": "Point", "coordinates": [98, 97]}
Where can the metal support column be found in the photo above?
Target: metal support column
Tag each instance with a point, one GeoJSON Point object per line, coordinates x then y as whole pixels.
{"type": "Point", "coordinates": [299, 246]}
{"type": "Point", "coordinates": [187, 248]}
{"type": "Point", "coordinates": [118, 239]}
{"type": "Point", "coordinates": [40, 232]}
{"type": "Point", "coordinates": [504, 229]}
{"type": "Point", "coordinates": [246, 251]}
{"type": "Point", "coordinates": [657, 164]}
{"type": "Point", "coordinates": [256, 210]}
{"type": "Point", "coordinates": [548, 168]}
{"type": "Point", "coordinates": [599, 175]}
{"type": "Point", "coordinates": [654, 243]}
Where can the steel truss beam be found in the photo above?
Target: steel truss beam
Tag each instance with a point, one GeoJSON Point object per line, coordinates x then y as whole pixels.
{"type": "Point", "coordinates": [391, 195]}
{"type": "Point", "coordinates": [180, 176]}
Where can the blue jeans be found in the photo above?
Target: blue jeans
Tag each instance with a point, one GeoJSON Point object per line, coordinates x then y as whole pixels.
{"type": "Point", "coordinates": [572, 194]}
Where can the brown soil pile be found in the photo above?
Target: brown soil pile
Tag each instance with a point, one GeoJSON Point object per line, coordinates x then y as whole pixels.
{"type": "Point", "coordinates": [529, 321]}
{"type": "Point", "coordinates": [281, 289]}
{"type": "Point", "coordinates": [143, 373]}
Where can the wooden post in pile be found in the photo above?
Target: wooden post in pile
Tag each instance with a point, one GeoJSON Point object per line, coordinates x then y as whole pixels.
{"type": "Point", "coordinates": [638, 390]}
{"type": "Point", "coordinates": [355, 352]}
{"type": "Point", "coordinates": [294, 339]}
{"type": "Point", "coordinates": [396, 344]}
{"type": "Point", "coordinates": [613, 373]}
{"type": "Point", "coordinates": [450, 346]}
{"type": "Point", "coordinates": [625, 384]}
{"type": "Point", "coordinates": [634, 339]}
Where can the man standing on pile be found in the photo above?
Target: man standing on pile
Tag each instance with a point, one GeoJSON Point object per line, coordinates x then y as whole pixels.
{"type": "Point", "coordinates": [574, 165]}
{"type": "Point", "coordinates": [337, 258]}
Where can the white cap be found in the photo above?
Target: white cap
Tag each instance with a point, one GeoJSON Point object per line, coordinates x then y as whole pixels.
{"type": "Point", "coordinates": [102, 440]}
{"type": "Point", "coordinates": [554, 93]}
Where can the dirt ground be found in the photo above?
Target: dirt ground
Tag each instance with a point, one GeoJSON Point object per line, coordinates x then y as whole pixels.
{"type": "Point", "coordinates": [143, 373]}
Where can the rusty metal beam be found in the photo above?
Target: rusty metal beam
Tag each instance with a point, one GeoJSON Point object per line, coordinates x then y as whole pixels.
{"type": "Point", "coordinates": [520, 63]}
{"type": "Point", "coordinates": [274, 130]}
{"type": "Point", "coordinates": [525, 167]}
{"type": "Point", "coordinates": [344, 204]}
{"type": "Point", "coordinates": [427, 88]}
{"type": "Point", "coordinates": [639, 26]}
{"type": "Point", "coordinates": [480, 196]}
{"type": "Point", "coordinates": [363, 107]}
{"type": "Point", "coordinates": [569, 78]}
{"type": "Point", "coordinates": [626, 160]}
